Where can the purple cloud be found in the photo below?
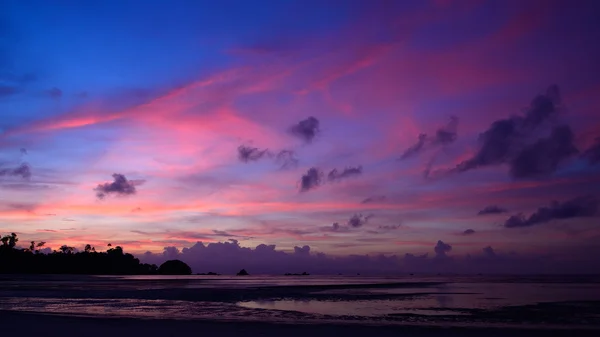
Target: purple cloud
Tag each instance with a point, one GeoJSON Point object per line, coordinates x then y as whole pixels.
{"type": "Point", "coordinates": [513, 141]}
{"type": "Point", "coordinates": [247, 154]}
{"type": "Point", "coordinates": [359, 220]}
{"type": "Point", "coordinates": [443, 136]}
{"type": "Point", "coordinates": [286, 159]}
{"type": "Point", "coordinates": [23, 171]}
{"type": "Point", "coordinates": [583, 206]}
{"type": "Point", "coordinates": [306, 129]}
{"type": "Point", "coordinates": [312, 179]}
{"type": "Point", "coordinates": [441, 249]}
{"type": "Point", "coordinates": [544, 156]}
{"type": "Point", "coordinates": [120, 186]}
{"type": "Point", "coordinates": [374, 199]}
{"type": "Point", "coordinates": [335, 175]}
{"type": "Point", "coordinates": [492, 209]}
{"type": "Point", "coordinates": [489, 252]}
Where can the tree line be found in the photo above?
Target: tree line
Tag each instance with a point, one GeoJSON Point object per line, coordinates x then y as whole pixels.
{"type": "Point", "coordinates": [66, 260]}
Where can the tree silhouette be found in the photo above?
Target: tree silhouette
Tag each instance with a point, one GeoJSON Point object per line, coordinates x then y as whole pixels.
{"type": "Point", "coordinates": [39, 245]}
{"type": "Point", "coordinates": [12, 241]}
{"type": "Point", "coordinates": [67, 261]}
{"type": "Point", "coordinates": [66, 249]}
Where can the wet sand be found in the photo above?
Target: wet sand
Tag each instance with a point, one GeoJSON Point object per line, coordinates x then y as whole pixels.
{"type": "Point", "coordinates": [14, 324]}
{"type": "Point", "coordinates": [100, 306]}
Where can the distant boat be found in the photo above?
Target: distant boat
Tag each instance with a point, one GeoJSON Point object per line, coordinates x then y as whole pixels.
{"type": "Point", "coordinates": [242, 272]}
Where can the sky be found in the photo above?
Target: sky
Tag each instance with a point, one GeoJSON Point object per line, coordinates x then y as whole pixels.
{"type": "Point", "coordinates": [381, 136]}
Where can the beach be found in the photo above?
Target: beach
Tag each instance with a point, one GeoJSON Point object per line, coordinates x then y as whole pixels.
{"type": "Point", "coordinates": [299, 306]}
{"type": "Point", "coordinates": [55, 325]}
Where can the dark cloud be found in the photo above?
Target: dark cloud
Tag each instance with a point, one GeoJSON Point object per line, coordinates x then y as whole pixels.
{"type": "Point", "coordinates": [306, 129]}
{"type": "Point", "coordinates": [492, 209]}
{"type": "Point", "coordinates": [390, 227]}
{"type": "Point", "coordinates": [447, 134]}
{"type": "Point", "coordinates": [583, 206]}
{"type": "Point", "coordinates": [54, 93]}
{"type": "Point", "coordinates": [592, 154]}
{"type": "Point", "coordinates": [374, 199]}
{"type": "Point", "coordinates": [312, 179]}
{"type": "Point", "coordinates": [508, 141]}
{"type": "Point", "coordinates": [230, 257]}
{"type": "Point", "coordinates": [489, 252]}
{"type": "Point", "coordinates": [120, 186]}
{"type": "Point", "coordinates": [223, 233]}
{"type": "Point", "coordinates": [416, 148]}
{"type": "Point", "coordinates": [443, 136]}
{"type": "Point", "coordinates": [412, 257]}
{"type": "Point", "coordinates": [22, 170]}
{"type": "Point", "coordinates": [543, 157]}
{"type": "Point", "coordinates": [29, 207]}
{"type": "Point", "coordinates": [286, 159]}
{"type": "Point", "coordinates": [247, 154]}
{"type": "Point", "coordinates": [29, 186]}
{"type": "Point", "coordinates": [359, 220]}
{"type": "Point", "coordinates": [441, 249]}
{"type": "Point", "coordinates": [468, 232]}
{"type": "Point", "coordinates": [335, 175]}
{"type": "Point", "coordinates": [304, 250]}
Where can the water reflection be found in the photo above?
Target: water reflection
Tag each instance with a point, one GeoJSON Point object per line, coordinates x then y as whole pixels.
{"type": "Point", "coordinates": [433, 301]}
{"type": "Point", "coordinates": [345, 308]}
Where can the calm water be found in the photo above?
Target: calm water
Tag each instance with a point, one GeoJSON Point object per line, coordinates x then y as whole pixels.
{"type": "Point", "coordinates": [290, 298]}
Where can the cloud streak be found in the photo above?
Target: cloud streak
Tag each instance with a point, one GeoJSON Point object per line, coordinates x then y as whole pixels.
{"type": "Point", "coordinates": [492, 209]}
{"type": "Point", "coordinates": [443, 136]}
{"type": "Point", "coordinates": [23, 171]}
{"type": "Point", "coordinates": [583, 206]}
{"type": "Point", "coordinates": [335, 175]}
{"type": "Point", "coordinates": [248, 154]}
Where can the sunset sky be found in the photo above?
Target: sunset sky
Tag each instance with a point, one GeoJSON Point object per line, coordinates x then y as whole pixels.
{"type": "Point", "coordinates": [455, 127]}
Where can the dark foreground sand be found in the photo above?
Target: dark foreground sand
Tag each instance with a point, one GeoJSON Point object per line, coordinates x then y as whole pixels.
{"type": "Point", "coordinates": [30, 324]}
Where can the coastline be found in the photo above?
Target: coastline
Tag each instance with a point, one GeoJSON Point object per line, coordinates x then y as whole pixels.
{"type": "Point", "coordinates": [50, 325]}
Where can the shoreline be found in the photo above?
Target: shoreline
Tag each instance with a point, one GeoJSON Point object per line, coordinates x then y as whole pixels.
{"type": "Point", "coordinates": [48, 324]}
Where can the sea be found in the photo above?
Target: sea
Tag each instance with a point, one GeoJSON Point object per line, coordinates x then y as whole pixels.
{"type": "Point", "coordinates": [556, 301]}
